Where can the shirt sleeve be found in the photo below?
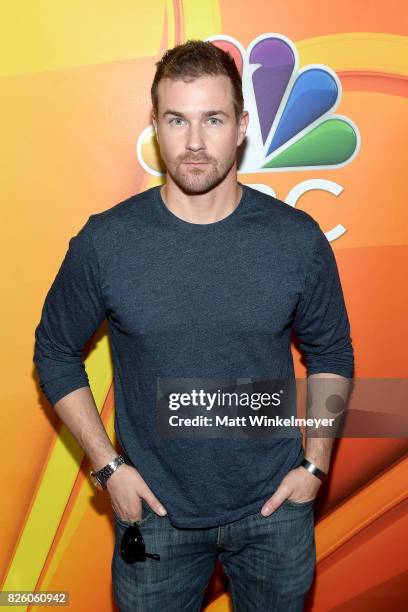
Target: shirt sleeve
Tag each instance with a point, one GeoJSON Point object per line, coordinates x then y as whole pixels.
{"type": "Point", "coordinates": [72, 311]}
{"type": "Point", "coordinates": [321, 322]}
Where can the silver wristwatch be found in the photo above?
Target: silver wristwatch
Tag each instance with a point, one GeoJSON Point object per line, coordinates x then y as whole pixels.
{"type": "Point", "coordinates": [101, 477]}
{"type": "Point", "coordinates": [313, 469]}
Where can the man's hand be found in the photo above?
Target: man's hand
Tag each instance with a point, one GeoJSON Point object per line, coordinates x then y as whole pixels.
{"type": "Point", "coordinates": [126, 487]}
{"type": "Point", "coordinates": [298, 485]}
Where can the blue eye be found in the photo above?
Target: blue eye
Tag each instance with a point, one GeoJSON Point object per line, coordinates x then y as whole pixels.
{"type": "Point", "coordinates": [215, 119]}
{"type": "Point", "coordinates": [175, 119]}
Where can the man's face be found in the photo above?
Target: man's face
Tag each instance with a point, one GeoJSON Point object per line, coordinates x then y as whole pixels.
{"type": "Point", "coordinates": [196, 123]}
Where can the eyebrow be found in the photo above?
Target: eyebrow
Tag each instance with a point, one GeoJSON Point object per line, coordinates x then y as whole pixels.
{"type": "Point", "coordinates": [206, 113]}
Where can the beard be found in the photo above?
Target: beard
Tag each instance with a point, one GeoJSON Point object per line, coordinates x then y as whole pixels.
{"type": "Point", "coordinates": [199, 179]}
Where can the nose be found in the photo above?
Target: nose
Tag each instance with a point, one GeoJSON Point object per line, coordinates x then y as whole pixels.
{"type": "Point", "coordinates": [195, 140]}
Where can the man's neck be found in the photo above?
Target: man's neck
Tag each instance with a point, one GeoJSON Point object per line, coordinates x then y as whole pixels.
{"type": "Point", "coordinates": [201, 208]}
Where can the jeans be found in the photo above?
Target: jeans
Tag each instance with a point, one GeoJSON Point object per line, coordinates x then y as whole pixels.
{"type": "Point", "coordinates": [269, 561]}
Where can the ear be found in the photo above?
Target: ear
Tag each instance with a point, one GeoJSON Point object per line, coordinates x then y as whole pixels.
{"type": "Point", "coordinates": [154, 122]}
{"type": "Point", "coordinates": [243, 125]}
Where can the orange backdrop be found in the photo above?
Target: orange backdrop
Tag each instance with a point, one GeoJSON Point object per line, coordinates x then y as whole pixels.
{"type": "Point", "coordinates": [75, 94]}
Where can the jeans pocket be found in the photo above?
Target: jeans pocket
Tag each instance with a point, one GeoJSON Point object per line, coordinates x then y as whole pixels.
{"type": "Point", "coordinates": [147, 513]}
{"type": "Point", "coordinates": [308, 502]}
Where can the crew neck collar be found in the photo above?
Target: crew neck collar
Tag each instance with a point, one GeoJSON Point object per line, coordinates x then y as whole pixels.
{"type": "Point", "coordinates": [201, 227]}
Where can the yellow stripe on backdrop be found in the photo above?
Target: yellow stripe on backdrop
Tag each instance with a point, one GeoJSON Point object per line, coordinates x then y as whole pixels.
{"type": "Point", "coordinates": [76, 515]}
{"type": "Point", "coordinates": [201, 19]}
{"type": "Point", "coordinates": [53, 491]}
{"type": "Point", "coordinates": [55, 34]}
{"type": "Point", "coordinates": [357, 51]}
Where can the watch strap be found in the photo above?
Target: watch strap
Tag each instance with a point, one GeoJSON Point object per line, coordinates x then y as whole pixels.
{"type": "Point", "coordinates": [313, 469]}
{"type": "Point", "coordinates": [106, 472]}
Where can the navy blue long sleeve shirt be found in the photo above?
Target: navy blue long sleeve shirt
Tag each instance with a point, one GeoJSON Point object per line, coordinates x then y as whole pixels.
{"type": "Point", "coordinates": [182, 300]}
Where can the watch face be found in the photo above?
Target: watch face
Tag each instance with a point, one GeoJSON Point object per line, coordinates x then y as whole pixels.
{"type": "Point", "coordinates": [96, 482]}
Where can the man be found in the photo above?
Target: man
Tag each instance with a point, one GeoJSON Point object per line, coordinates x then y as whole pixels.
{"type": "Point", "coordinates": [202, 278]}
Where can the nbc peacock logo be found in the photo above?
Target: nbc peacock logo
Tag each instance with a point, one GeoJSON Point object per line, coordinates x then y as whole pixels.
{"type": "Point", "coordinates": [292, 124]}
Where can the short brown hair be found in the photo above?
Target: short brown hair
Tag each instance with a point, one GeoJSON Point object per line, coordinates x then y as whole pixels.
{"type": "Point", "coordinates": [196, 58]}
